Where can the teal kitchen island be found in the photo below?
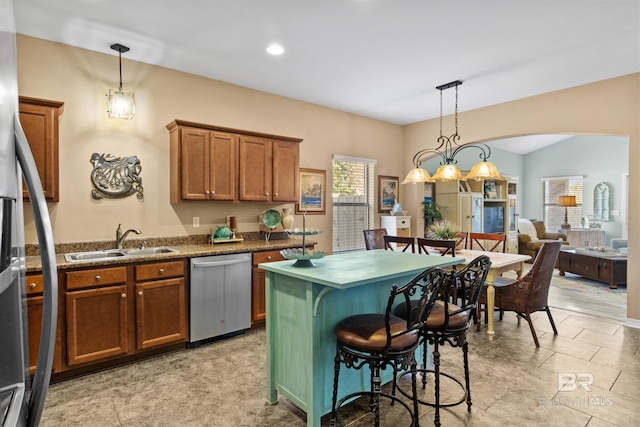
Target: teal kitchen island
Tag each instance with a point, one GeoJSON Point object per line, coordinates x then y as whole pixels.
{"type": "Point", "coordinates": [305, 303]}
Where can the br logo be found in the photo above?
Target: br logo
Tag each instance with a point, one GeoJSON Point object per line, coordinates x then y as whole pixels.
{"type": "Point", "coordinates": [568, 381]}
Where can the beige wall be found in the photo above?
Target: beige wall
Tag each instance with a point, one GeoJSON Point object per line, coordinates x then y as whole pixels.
{"type": "Point", "coordinates": [610, 107]}
{"type": "Point", "coordinates": [80, 78]}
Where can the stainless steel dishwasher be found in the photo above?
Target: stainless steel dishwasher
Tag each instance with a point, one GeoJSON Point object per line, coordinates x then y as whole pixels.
{"type": "Point", "coordinates": [220, 295]}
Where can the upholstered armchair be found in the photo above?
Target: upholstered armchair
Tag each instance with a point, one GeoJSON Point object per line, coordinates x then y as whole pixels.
{"type": "Point", "coordinates": [532, 234]}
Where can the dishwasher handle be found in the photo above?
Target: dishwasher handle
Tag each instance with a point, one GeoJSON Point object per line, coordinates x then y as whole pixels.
{"type": "Point", "coordinates": [204, 264]}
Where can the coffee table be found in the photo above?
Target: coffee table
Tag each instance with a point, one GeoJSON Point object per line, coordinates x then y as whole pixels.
{"type": "Point", "coordinates": [610, 268]}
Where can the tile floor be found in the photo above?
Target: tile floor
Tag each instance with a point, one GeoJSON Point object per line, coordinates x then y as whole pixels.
{"type": "Point", "coordinates": [222, 384]}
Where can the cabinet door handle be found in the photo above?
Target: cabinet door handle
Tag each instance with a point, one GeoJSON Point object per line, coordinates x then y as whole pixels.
{"type": "Point", "coordinates": [98, 278]}
{"type": "Point", "coordinates": [275, 194]}
{"type": "Point", "coordinates": [269, 257]}
{"type": "Point", "coordinates": [161, 270]}
{"type": "Point", "coordinates": [32, 285]}
{"type": "Point", "coordinates": [213, 192]}
{"type": "Point", "coordinates": [266, 194]}
{"type": "Point", "coordinates": [123, 295]}
{"type": "Point", "coordinates": [140, 293]}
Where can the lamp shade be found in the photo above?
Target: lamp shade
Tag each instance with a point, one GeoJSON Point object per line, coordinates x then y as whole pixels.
{"type": "Point", "coordinates": [121, 104]}
{"type": "Point", "coordinates": [567, 201]}
{"type": "Point", "coordinates": [448, 172]}
{"type": "Point", "coordinates": [417, 175]}
{"type": "Point", "coordinates": [484, 170]}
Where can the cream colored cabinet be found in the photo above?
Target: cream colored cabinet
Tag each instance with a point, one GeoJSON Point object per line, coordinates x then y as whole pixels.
{"type": "Point", "coordinates": [396, 225]}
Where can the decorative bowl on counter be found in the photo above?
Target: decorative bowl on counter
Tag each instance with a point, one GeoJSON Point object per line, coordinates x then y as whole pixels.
{"type": "Point", "coordinates": [297, 253]}
{"type": "Point", "coordinates": [302, 256]}
{"type": "Point", "coordinates": [223, 232]}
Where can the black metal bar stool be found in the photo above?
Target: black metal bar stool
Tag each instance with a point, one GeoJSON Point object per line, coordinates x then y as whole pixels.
{"type": "Point", "coordinates": [448, 322]}
{"type": "Point", "coordinates": [381, 340]}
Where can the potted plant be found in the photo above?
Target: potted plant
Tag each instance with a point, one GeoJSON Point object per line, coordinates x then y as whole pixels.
{"type": "Point", "coordinates": [443, 230]}
{"type": "Point", "coordinates": [432, 211]}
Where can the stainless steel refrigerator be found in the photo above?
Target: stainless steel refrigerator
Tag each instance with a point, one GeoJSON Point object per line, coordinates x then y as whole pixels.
{"type": "Point", "coordinates": [21, 399]}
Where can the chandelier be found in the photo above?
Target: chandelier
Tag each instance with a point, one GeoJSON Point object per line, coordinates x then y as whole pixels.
{"type": "Point", "coordinates": [448, 149]}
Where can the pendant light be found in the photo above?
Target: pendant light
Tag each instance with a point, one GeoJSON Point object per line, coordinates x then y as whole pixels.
{"type": "Point", "coordinates": [121, 104]}
{"type": "Point", "coordinates": [447, 149]}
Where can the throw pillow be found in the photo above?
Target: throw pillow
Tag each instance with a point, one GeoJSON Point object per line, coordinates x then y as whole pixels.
{"type": "Point", "coordinates": [526, 227]}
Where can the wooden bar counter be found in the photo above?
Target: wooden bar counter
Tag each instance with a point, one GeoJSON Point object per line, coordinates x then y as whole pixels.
{"type": "Point", "coordinates": [305, 304]}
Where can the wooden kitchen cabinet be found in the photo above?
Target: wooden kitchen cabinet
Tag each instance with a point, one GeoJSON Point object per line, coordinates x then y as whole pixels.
{"type": "Point", "coordinates": [207, 165]}
{"type": "Point", "coordinates": [216, 163]}
{"type": "Point", "coordinates": [34, 313]}
{"type": "Point", "coordinates": [258, 307]}
{"type": "Point", "coordinates": [161, 310]}
{"type": "Point", "coordinates": [120, 311]}
{"type": "Point", "coordinates": [96, 314]}
{"type": "Point", "coordinates": [268, 170]}
{"type": "Point", "coordinates": [39, 120]}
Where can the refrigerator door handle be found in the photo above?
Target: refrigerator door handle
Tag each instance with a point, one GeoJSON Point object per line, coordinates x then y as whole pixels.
{"type": "Point", "coordinates": [44, 231]}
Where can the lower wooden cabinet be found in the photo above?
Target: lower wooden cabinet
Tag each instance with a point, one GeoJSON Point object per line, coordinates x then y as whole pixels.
{"type": "Point", "coordinates": [96, 314]}
{"type": "Point", "coordinates": [118, 311]}
{"type": "Point", "coordinates": [161, 314]}
{"type": "Point", "coordinates": [34, 313]}
{"type": "Point", "coordinates": [258, 306]}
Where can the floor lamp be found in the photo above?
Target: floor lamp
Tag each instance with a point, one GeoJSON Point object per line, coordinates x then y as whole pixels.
{"type": "Point", "coordinates": [566, 202]}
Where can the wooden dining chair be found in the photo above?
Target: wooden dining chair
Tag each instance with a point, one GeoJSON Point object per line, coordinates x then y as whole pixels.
{"type": "Point", "coordinates": [488, 242]}
{"type": "Point", "coordinates": [445, 247]}
{"type": "Point", "coordinates": [461, 240]}
{"type": "Point", "coordinates": [399, 243]}
{"type": "Point", "coordinates": [373, 239]}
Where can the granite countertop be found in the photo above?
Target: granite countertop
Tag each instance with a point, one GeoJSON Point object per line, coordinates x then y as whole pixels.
{"type": "Point", "coordinates": [188, 247]}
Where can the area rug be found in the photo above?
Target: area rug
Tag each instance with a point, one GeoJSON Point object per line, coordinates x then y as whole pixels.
{"type": "Point", "coordinates": [575, 293]}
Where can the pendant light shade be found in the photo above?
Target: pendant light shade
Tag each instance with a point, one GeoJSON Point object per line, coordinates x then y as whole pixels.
{"type": "Point", "coordinates": [417, 175]}
{"type": "Point", "coordinates": [484, 170]}
{"type": "Point", "coordinates": [121, 104]}
{"type": "Point", "coordinates": [448, 172]}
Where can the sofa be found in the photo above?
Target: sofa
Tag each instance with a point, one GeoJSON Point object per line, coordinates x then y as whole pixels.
{"type": "Point", "coordinates": [532, 234]}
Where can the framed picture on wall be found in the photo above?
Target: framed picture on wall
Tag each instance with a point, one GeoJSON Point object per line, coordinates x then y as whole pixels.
{"type": "Point", "coordinates": [311, 198]}
{"type": "Point", "coordinates": [388, 188]}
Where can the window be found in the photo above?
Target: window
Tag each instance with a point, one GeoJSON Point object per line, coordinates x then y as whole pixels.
{"type": "Point", "coordinates": [353, 207]}
{"type": "Point", "coordinates": [561, 186]}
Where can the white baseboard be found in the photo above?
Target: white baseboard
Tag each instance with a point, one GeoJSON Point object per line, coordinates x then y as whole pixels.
{"type": "Point", "coordinates": [632, 323]}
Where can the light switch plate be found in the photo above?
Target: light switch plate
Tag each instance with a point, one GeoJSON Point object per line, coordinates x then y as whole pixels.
{"type": "Point", "coordinates": [196, 221]}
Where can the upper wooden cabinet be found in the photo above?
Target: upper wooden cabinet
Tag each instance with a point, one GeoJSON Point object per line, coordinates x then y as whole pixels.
{"type": "Point", "coordinates": [216, 163]}
{"type": "Point", "coordinates": [207, 165]}
{"type": "Point", "coordinates": [39, 119]}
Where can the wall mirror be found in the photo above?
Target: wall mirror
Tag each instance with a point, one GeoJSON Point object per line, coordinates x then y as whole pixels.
{"type": "Point", "coordinates": [601, 202]}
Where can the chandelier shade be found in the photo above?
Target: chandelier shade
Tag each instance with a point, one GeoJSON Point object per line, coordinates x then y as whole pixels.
{"type": "Point", "coordinates": [448, 148]}
{"type": "Point", "coordinates": [121, 104]}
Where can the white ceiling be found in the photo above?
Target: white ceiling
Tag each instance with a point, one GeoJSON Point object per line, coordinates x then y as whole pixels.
{"type": "Point", "coordinates": [377, 58]}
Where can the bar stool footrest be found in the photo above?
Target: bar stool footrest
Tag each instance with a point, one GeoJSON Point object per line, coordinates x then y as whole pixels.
{"type": "Point", "coordinates": [442, 374]}
{"type": "Point", "coordinates": [371, 394]}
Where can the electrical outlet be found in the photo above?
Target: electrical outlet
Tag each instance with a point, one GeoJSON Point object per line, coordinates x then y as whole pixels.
{"type": "Point", "coordinates": [196, 221]}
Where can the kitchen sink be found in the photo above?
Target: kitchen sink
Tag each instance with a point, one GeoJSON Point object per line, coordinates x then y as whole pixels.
{"type": "Point", "coordinates": [117, 253]}
{"type": "Point", "coordinates": [150, 251]}
{"type": "Point", "coordinates": [94, 255]}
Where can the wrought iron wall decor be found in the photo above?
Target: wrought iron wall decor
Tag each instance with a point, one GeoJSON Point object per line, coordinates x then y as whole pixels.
{"type": "Point", "coordinates": [115, 177]}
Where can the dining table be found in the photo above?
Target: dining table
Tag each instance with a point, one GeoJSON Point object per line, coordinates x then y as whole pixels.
{"type": "Point", "coordinates": [500, 263]}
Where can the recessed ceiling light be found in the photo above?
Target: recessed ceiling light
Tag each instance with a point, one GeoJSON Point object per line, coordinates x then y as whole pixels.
{"type": "Point", "coordinates": [275, 49]}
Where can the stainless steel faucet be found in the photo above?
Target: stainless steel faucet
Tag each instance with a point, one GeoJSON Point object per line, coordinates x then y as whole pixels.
{"type": "Point", "coordinates": [120, 236]}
